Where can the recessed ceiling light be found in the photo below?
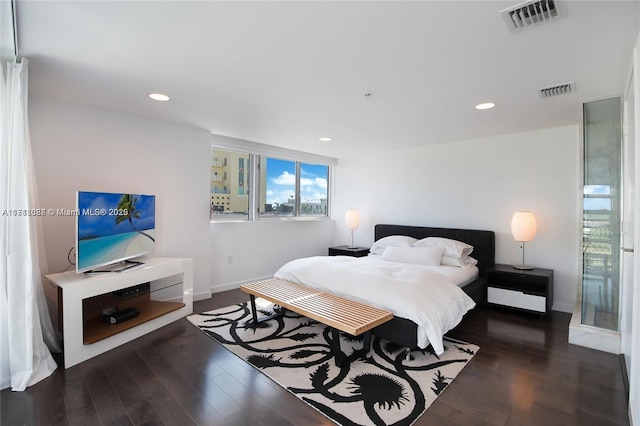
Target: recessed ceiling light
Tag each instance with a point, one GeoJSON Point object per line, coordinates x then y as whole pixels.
{"type": "Point", "coordinates": [486, 105]}
{"type": "Point", "coordinates": [159, 97]}
{"type": "Point", "coordinates": [324, 139]}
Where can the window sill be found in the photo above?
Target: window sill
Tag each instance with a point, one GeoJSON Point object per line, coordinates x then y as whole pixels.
{"type": "Point", "coordinates": [273, 219]}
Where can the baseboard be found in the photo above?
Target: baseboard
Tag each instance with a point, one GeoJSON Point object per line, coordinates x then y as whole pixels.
{"type": "Point", "coordinates": [625, 375]}
{"type": "Point", "coordinates": [201, 295]}
{"type": "Point", "coordinates": [563, 307]}
{"type": "Point", "coordinates": [233, 286]}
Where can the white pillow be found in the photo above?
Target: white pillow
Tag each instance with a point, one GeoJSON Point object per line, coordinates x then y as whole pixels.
{"type": "Point", "coordinates": [420, 255]}
{"type": "Point", "coordinates": [463, 262]}
{"type": "Point", "coordinates": [393, 240]}
{"type": "Point", "coordinates": [452, 248]}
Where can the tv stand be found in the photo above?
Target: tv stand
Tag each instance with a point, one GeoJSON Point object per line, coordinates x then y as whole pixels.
{"type": "Point", "coordinates": [82, 298]}
{"type": "Point", "coordinates": [115, 267]}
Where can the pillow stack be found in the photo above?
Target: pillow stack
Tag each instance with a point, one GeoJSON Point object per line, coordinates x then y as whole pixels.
{"type": "Point", "coordinates": [394, 241]}
{"type": "Point", "coordinates": [421, 255]}
{"type": "Point", "coordinates": [428, 251]}
{"type": "Point", "coordinates": [456, 253]}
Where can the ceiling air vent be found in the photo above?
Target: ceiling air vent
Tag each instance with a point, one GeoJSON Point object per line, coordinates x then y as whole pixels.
{"type": "Point", "coordinates": [560, 89]}
{"type": "Point", "coordinates": [531, 13]}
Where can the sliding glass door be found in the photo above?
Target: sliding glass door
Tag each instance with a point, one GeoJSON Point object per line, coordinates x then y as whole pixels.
{"type": "Point", "coordinates": [602, 213]}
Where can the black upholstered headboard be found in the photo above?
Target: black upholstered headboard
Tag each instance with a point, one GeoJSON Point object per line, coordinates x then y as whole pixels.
{"type": "Point", "coordinates": [483, 242]}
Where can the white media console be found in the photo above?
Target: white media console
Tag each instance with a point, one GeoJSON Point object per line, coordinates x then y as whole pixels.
{"type": "Point", "coordinates": [161, 289]}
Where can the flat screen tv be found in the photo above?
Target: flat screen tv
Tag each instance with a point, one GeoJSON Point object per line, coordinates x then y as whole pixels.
{"type": "Point", "coordinates": [113, 228]}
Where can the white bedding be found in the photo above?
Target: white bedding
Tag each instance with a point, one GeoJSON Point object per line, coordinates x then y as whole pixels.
{"type": "Point", "coordinates": [410, 291]}
{"type": "Point", "coordinates": [458, 276]}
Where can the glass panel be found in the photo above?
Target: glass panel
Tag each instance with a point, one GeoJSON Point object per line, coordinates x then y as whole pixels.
{"type": "Point", "coordinates": [230, 179]}
{"type": "Point", "coordinates": [277, 187]}
{"type": "Point", "coordinates": [314, 179]}
{"type": "Point", "coordinates": [601, 213]}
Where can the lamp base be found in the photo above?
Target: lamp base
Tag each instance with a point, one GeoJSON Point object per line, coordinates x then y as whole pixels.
{"type": "Point", "coordinates": [523, 267]}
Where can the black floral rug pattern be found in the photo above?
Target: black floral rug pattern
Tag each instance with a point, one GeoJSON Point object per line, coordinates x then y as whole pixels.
{"type": "Point", "coordinates": [382, 389]}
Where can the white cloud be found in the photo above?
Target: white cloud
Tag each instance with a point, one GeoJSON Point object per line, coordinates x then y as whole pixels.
{"type": "Point", "coordinates": [285, 178]}
{"type": "Point", "coordinates": [597, 189]}
{"type": "Point", "coordinates": [321, 182]}
{"type": "Point", "coordinates": [313, 183]}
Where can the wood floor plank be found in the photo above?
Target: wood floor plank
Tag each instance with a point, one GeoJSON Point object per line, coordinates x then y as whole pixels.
{"type": "Point", "coordinates": [138, 408]}
{"type": "Point", "coordinates": [50, 399]}
{"type": "Point", "coordinates": [105, 398]}
{"type": "Point", "coordinates": [168, 409]}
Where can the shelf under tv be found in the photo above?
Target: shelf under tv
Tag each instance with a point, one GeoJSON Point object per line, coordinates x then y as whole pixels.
{"type": "Point", "coordinates": [96, 329]}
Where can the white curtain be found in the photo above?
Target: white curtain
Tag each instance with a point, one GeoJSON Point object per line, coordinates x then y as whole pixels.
{"type": "Point", "coordinates": [26, 332]}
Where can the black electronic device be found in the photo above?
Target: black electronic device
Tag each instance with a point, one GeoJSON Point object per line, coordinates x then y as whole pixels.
{"type": "Point", "coordinates": [122, 315]}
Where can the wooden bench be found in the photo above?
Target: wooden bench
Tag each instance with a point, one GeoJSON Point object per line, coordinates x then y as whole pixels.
{"type": "Point", "coordinates": [337, 312]}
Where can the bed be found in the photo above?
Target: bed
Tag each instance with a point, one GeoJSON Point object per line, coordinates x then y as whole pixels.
{"type": "Point", "coordinates": [342, 275]}
{"type": "Point", "coordinates": [403, 331]}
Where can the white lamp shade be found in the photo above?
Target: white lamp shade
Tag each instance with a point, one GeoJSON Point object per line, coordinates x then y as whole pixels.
{"type": "Point", "coordinates": [352, 219]}
{"type": "Point", "coordinates": [523, 226]}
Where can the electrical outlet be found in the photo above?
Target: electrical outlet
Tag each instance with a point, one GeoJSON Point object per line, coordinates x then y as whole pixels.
{"type": "Point", "coordinates": [229, 258]}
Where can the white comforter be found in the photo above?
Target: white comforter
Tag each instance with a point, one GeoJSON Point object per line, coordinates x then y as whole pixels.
{"type": "Point", "coordinates": [410, 291]}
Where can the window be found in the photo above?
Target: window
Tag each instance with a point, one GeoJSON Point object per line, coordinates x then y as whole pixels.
{"type": "Point", "coordinates": [602, 213]}
{"type": "Point", "coordinates": [277, 187]}
{"type": "Point", "coordinates": [314, 192]}
{"type": "Point", "coordinates": [284, 182]}
{"type": "Point", "coordinates": [229, 184]}
{"type": "Point", "coordinates": [286, 187]}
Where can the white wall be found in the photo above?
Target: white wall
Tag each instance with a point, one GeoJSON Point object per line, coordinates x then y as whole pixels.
{"type": "Point", "coordinates": [476, 184]}
{"type": "Point", "coordinates": [258, 249]}
{"type": "Point", "coordinates": [80, 148]}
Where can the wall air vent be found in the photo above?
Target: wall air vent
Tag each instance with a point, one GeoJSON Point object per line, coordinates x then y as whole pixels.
{"type": "Point", "coordinates": [531, 13]}
{"type": "Point", "coordinates": [560, 89]}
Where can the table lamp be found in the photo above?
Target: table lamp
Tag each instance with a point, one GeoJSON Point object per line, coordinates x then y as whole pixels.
{"type": "Point", "coordinates": [352, 220]}
{"type": "Point", "coordinates": [523, 229]}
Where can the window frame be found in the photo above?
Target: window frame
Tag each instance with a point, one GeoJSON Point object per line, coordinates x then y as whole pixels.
{"type": "Point", "coordinates": [256, 151]}
{"type": "Point", "coordinates": [262, 202]}
{"type": "Point", "coordinates": [297, 212]}
{"type": "Point", "coordinates": [300, 164]}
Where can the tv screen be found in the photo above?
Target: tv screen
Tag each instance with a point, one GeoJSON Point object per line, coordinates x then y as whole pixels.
{"type": "Point", "coordinates": [112, 228]}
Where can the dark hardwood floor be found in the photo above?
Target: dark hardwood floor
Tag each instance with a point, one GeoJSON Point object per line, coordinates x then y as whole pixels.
{"type": "Point", "coordinates": [524, 374]}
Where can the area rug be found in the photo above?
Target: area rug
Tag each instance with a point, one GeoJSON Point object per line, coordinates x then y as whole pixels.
{"type": "Point", "coordinates": [382, 389]}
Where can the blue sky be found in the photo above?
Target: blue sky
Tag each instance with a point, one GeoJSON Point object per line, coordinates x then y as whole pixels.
{"type": "Point", "coordinates": [601, 201]}
{"type": "Point", "coordinates": [281, 181]}
{"type": "Point", "coordinates": [105, 224]}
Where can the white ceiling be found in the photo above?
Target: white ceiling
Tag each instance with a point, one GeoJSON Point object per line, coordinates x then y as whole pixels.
{"type": "Point", "coordinates": [287, 73]}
